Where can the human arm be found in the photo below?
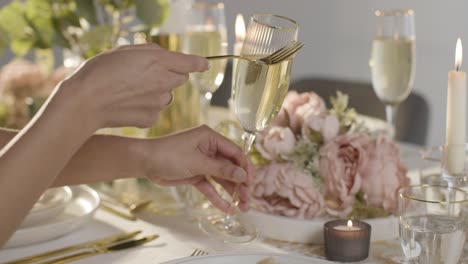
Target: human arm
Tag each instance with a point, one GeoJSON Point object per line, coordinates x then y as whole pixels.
{"type": "Point", "coordinates": [169, 160]}
{"type": "Point", "coordinates": [104, 92]}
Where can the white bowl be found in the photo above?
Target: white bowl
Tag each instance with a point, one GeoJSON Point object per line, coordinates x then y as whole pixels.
{"type": "Point", "coordinates": [311, 231]}
{"type": "Point", "coordinates": [49, 206]}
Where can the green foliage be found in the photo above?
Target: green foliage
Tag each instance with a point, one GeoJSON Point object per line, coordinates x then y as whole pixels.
{"type": "Point", "coordinates": [43, 24]}
{"type": "Point", "coordinates": [152, 12]}
{"type": "Point", "coordinates": [306, 156]}
{"type": "Point", "coordinates": [4, 109]}
{"type": "Point", "coordinates": [87, 10]}
{"type": "Point", "coordinates": [96, 40]}
{"type": "Point", "coordinates": [38, 14]}
{"type": "Point", "coordinates": [363, 211]}
{"type": "Point", "coordinates": [13, 22]}
{"type": "Point", "coordinates": [346, 116]}
{"type": "Point", "coordinates": [4, 42]}
{"type": "Point", "coordinates": [257, 158]}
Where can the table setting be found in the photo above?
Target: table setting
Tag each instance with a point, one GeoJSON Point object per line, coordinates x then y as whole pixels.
{"type": "Point", "coordinates": [330, 185]}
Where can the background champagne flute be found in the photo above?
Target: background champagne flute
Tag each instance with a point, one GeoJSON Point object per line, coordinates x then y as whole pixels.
{"type": "Point", "coordinates": [206, 36]}
{"type": "Point", "coordinates": [392, 60]}
{"type": "Point", "coordinates": [258, 92]}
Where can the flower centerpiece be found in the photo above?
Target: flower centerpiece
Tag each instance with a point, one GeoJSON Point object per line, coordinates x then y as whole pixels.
{"type": "Point", "coordinates": [318, 162]}
{"type": "Point", "coordinates": [23, 89]}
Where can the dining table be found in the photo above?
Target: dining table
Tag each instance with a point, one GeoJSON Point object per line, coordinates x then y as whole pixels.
{"type": "Point", "coordinates": [179, 237]}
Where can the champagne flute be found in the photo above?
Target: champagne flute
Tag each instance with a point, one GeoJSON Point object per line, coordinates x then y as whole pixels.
{"type": "Point", "coordinates": [206, 36]}
{"type": "Point", "coordinates": [392, 60]}
{"type": "Point", "coordinates": [258, 92]}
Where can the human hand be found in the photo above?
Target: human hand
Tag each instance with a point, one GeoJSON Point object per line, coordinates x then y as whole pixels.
{"type": "Point", "coordinates": [189, 156]}
{"type": "Point", "coordinates": [130, 85]}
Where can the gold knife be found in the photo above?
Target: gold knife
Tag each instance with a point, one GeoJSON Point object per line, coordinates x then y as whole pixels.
{"type": "Point", "coordinates": [91, 244]}
{"type": "Point", "coordinates": [116, 212]}
{"type": "Point", "coordinates": [101, 250]}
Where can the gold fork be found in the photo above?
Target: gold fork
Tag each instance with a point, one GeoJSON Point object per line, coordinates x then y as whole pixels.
{"type": "Point", "coordinates": [276, 57]}
{"type": "Point", "coordinates": [198, 252]}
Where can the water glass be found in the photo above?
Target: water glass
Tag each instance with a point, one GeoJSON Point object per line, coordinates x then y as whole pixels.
{"type": "Point", "coordinates": [432, 223]}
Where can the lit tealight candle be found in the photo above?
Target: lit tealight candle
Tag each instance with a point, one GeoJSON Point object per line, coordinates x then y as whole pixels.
{"type": "Point", "coordinates": [348, 227]}
{"type": "Point", "coordinates": [346, 240]}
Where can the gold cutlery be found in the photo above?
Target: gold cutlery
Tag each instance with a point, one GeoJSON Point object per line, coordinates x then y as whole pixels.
{"type": "Point", "coordinates": [116, 212]}
{"type": "Point", "coordinates": [86, 245]}
{"type": "Point", "coordinates": [133, 207]}
{"type": "Point", "coordinates": [102, 250]}
{"type": "Point", "coordinates": [198, 252]}
{"type": "Point", "coordinates": [276, 57]}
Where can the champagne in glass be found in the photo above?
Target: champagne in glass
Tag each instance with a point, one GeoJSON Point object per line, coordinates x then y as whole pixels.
{"type": "Point", "coordinates": [206, 36]}
{"type": "Point", "coordinates": [205, 43]}
{"type": "Point", "coordinates": [258, 93]}
{"type": "Point", "coordinates": [392, 69]}
{"type": "Point", "coordinates": [392, 60]}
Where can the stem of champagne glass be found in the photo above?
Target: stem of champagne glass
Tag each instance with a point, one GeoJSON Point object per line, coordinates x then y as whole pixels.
{"type": "Point", "coordinates": [248, 138]}
{"type": "Point", "coordinates": [205, 102]}
{"type": "Point", "coordinates": [391, 112]}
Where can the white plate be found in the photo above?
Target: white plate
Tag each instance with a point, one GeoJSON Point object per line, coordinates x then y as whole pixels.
{"type": "Point", "coordinates": [311, 231]}
{"type": "Point", "coordinates": [51, 204]}
{"type": "Point", "coordinates": [52, 197]}
{"type": "Point", "coordinates": [247, 259]}
{"type": "Point", "coordinates": [78, 212]}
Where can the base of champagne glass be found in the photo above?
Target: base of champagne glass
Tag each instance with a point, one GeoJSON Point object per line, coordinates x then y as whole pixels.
{"type": "Point", "coordinates": [228, 230]}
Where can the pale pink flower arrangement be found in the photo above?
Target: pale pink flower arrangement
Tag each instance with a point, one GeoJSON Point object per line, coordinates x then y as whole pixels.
{"type": "Point", "coordinates": [319, 162]}
{"type": "Point", "coordinates": [23, 82]}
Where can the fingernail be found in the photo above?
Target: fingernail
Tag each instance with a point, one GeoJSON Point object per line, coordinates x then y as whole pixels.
{"type": "Point", "coordinates": [239, 175]}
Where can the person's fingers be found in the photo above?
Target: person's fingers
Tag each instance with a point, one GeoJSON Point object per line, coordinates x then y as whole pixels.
{"type": "Point", "coordinates": [182, 63]}
{"type": "Point", "coordinates": [211, 194]}
{"type": "Point", "coordinates": [250, 171]}
{"type": "Point", "coordinates": [158, 79]}
{"type": "Point", "coordinates": [222, 168]}
{"type": "Point", "coordinates": [227, 149]}
{"type": "Point", "coordinates": [243, 190]}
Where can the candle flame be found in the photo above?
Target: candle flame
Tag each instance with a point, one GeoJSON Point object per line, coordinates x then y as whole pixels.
{"type": "Point", "coordinates": [458, 54]}
{"type": "Point", "coordinates": [350, 223]}
{"type": "Point", "coordinates": [240, 28]}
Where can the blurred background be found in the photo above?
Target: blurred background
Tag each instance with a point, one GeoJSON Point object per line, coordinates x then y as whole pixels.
{"type": "Point", "coordinates": [338, 35]}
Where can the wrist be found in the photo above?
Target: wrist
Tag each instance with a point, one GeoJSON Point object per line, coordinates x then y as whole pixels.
{"type": "Point", "coordinates": [146, 156]}
{"type": "Point", "coordinates": [69, 100]}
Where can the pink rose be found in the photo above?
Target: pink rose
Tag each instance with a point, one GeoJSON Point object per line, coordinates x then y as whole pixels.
{"type": "Point", "coordinates": [327, 125]}
{"type": "Point", "coordinates": [340, 163]}
{"type": "Point", "coordinates": [21, 79]}
{"type": "Point", "coordinates": [296, 106]}
{"type": "Point", "coordinates": [278, 142]}
{"type": "Point", "coordinates": [281, 189]}
{"type": "Point", "coordinates": [383, 174]}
